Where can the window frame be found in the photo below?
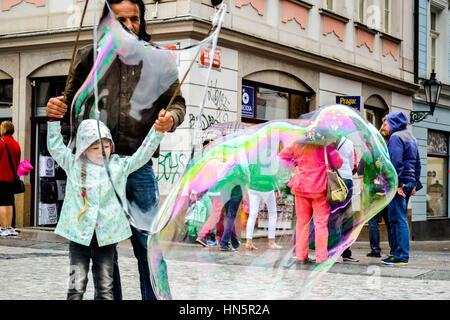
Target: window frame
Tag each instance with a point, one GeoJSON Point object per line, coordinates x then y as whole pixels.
{"type": "Point", "coordinates": [387, 25]}
{"type": "Point", "coordinates": [445, 170]}
{"type": "Point", "coordinates": [53, 82]}
{"type": "Point", "coordinates": [371, 113]}
{"type": "Point", "coordinates": [329, 4]}
{"type": "Point", "coordinates": [434, 41]}
{"type": "Point", "coordinates": [362, 11]}
{"type": "Point", "coordinates": [257, 85]}
{"type": "Point", "coordinates": [7, 82]}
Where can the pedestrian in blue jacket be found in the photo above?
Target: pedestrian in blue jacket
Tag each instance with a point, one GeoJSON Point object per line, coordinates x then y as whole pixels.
{"type": "Point", "coordinates": [404, 154]}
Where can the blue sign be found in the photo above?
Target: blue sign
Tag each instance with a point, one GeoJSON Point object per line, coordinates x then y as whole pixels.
{"type": "Point", "coordinates": [248, 101]}
{"type": "Point", "coordinates": [351, 101]}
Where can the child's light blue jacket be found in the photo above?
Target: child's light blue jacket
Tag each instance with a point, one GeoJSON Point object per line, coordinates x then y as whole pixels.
{"type": "Point", "coordinates": [104, 215]}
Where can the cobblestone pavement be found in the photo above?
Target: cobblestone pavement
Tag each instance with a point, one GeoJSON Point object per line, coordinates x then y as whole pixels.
{"type": "Point", "coordinates": [35, 269]}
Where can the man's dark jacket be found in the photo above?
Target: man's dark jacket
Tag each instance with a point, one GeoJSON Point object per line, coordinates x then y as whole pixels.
{"type": "Point", "coordinates": [120, 82]}
{"type": "Point", "coordinates": [403, 150]}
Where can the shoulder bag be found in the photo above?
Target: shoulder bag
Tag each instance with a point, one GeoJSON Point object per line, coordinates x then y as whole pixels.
{"type": "Point", "coordinates": [336, 188]}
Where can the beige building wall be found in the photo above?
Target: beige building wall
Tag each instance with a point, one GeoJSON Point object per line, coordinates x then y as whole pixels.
{"type": "Point", "coordinates": [268, 46]}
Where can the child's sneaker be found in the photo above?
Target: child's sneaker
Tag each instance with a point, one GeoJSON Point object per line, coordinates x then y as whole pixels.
{"type": "Point", "coordinates": [12, 232]}
{"type": "Point", "coordinates": [226, 248]}
{"type": "Point", "coordinates": [212, 243]}
{"type": "Point", "coordinates": [202, 241]}
{"type": "Point", "coordinates": [235, 244]}
{"type": "Point", "coordinates": [350, 259]}
{"type": "Point", "coordinates": [4, 233]}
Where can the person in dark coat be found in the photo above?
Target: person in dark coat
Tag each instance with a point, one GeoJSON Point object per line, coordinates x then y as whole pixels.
{"type": "Point", "coordinates": [128, 132]}
{"type": "Point", "coordinates": [404, 155]}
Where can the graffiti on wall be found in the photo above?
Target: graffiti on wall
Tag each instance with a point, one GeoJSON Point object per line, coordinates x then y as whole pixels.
{"type": "Point", "coordinates": [218, 97]}
{"type": "Point", "coordinates": [222, 105]}
{"type": "Point", "coordinates": [170, 166]}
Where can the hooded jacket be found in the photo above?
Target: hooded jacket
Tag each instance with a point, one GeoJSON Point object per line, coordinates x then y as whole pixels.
{"type": "Point", "coordinates": [311, 177]}
{"type": "Point", "coordinates": [104, 216]}
{"type": "Point", "coordinates": [403, 150]}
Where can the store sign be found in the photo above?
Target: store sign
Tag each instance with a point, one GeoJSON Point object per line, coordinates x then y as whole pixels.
{"type": "Point", "coordinates": [174, 53]}
{"type": "Point", "coordinates": [248, 101]}
{"type": "Point", "coordinates": [46, 167]}
{"type": "Point", "coordinates": [205, 57]}
{"type": "Point", "coordinates": [351, 101]}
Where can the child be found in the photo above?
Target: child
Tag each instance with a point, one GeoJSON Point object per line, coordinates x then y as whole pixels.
{"type": "Point", "coordinates": [92, 217]}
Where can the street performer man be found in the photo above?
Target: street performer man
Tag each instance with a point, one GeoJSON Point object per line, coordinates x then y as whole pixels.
{"type": "Point", "coordinates": [127, 132]}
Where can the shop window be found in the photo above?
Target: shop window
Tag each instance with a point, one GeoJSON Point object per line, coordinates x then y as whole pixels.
{"type": "Point", "coordinates": [262, 103]}
{"type": "Point", "coordinates": [49, 178]}
{"type": "Point", "coordinates": [6, 99]}
{"type": "Point", "coordinates": [437, 174]}
{"type": "Point", "coordinates": [374, 115]}
{"type": "Point", "coordinates": [45, 89]}
{"type": "Point", "coordinates": [271, 104]}
{"type": "Point", "coordinates": [370, 116]}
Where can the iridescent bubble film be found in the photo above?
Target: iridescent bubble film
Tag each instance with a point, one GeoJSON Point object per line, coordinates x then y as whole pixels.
{"type": "Point", "coordinates": [241, 182]}
{"type": "Point", "coordinates": [251, 167]}
{"type": "Point", "coordinates": [131, 81]}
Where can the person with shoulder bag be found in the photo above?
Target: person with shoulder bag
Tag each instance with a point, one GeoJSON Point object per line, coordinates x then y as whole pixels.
{"type": "Point", "coordinates": [9, 162]}
{"type": "Point", "coordinates": [309, 185]}
{"type": "Point", "coordinates": [341, 217]}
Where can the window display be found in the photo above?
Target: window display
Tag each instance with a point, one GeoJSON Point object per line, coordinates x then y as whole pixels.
{"type": "Point", "coordinates": [262, 103]}
{"type": "Point", "coordinates": [6, 93]}
{"type": "Point", "coordinates": [437, 175]}
{"type": "Point", "coordinates": [285, 211]}
{"type": "Point", "coordinates": [50, 179]}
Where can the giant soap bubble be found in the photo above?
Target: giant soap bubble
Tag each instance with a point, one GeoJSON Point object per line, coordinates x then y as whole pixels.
{"type": "Point", "coordinates": [199, 231]}
{"type": "Point", "coordinates": [130, 81]}
{"type": "Point", "coordinates": [261, 160]}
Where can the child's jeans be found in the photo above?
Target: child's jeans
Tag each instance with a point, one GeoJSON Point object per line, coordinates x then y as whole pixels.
{"type": "Point", "coordinates": [319, 209]}
{"type": "Point", "coordinates": [102, 268]}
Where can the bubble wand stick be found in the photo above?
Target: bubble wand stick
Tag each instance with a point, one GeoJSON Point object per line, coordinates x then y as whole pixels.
{"type": "Point", "coordinates": [69, 75]}
{"type": "Point", "coordinates": [177, 90]}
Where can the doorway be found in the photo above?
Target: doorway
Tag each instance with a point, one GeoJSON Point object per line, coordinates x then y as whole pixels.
{"type": "Point", "coordinates": [48, 179]}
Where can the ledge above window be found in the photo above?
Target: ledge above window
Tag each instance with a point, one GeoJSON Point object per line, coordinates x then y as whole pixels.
{"type": "Point", "coordinates": [389, 37]}
{"type": "Point", "coordinates": [364, 27]}
{"type": "Point", "coordinates": [302, 3]}
{"type": "Point", "coordinates": [331, 14]}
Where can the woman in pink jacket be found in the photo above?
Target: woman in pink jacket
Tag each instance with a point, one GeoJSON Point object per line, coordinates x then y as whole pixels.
{"type": "Point", "coordinates": [309, 185]}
